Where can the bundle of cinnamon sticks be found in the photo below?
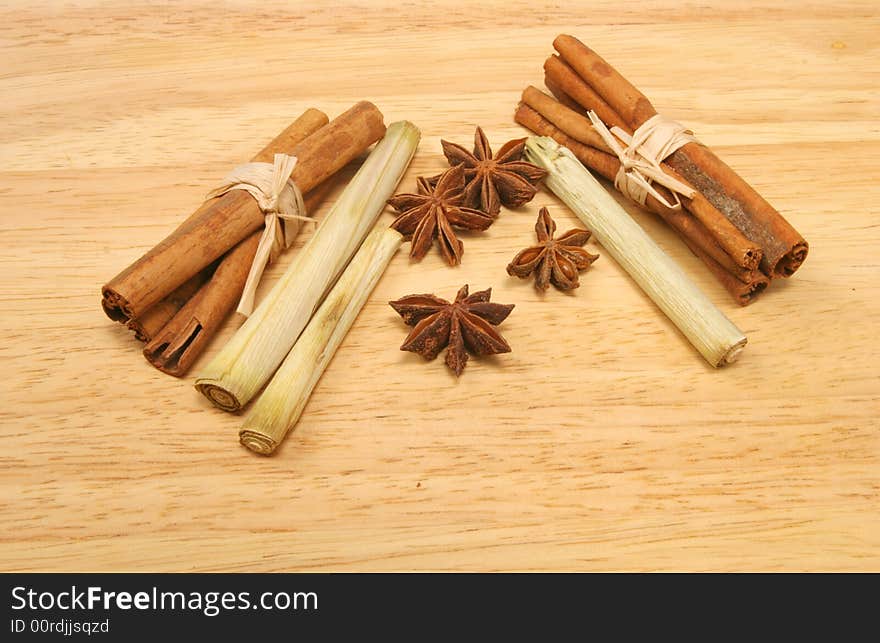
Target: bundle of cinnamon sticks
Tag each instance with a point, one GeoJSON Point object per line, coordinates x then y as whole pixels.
{"type": "Point", "coordinates": [177, 295]}
{"type": "Point", "coordinates": [740, 237]}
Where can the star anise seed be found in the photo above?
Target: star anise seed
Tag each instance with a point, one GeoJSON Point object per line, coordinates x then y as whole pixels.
{"type": "Point", "coordinates": [467, 323]}
{"type": "Point", "coordinates": [434, 212]}
{"type": "Point", "coordinates": [556, 261]}
{"type": "Point", "coordinates": [492, 181]}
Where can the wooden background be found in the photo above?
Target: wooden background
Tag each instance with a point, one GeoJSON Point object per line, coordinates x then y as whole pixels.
{"type": "Point", "coordinates": [602, 442]}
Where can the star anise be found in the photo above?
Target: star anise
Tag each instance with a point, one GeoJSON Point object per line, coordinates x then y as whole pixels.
{"type": "Point", "coordinates": [468, 322]}
{"type": "Point", "coordinates": [553, 260]}
{"type": "Point", "coordinates": [434, 212]}
{"type": "Point", "coordinates": [492, 181]}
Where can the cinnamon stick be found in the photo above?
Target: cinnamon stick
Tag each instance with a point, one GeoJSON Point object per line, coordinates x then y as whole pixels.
{"type": "Point", "coordinates": [157, 316]}
{"type": "Point", "coordinates": [742, 251]}
{"type": "Point", "coordinates": [179, 343]}
{"type": "Point", "coordinates": [695, 235]}
{"type": "Point", "coordinates": [615, 90]}
{"type": "Point", "coordinates": [744, 292]}
{"type": "Point", "coordinates": [148, 280]}
{"type": "Point", "coordinates": [605, 164]}
{"type": "Point", "coordinates": [235, 374]}
{"type": "Point", "coordinates": [576, 125]}
{"type": "Point", "coordinates": [154, 319]}
{"type": "Point", "coordinates": [562, 97]}
{"type": "Point", "coordinates": [568, 81]}
{"type": "Point", "coordinates": [174, 349]}
{"type": "Point", "coordinates": [717, 339]}
{"type": "Point", "coordinates": [222, 222]}
{"type": "Point", "coordinates": [784, 249]}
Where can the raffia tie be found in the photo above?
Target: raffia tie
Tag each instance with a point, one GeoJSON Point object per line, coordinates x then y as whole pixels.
{"type": "Point", "coordinates": [640, 160]}
{"type": "Point", "coordinates": [281, 202]}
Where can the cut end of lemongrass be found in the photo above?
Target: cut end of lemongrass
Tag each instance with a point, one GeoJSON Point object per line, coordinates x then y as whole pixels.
{"type": "Point", "coordinates": [256, 350]}
{"type": "Point", "coordinates": [734, 352]}
{"type": "Point", "coordinates": [257, 442]}
{"type": "Point", "coordinates": [219, 396]}
{"type": "Point", "coordinates": [717, 339]}
{"type": "Point", "coordinates": [278, 409]}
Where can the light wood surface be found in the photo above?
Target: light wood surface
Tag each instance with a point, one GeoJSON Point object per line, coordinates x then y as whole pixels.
{"type": "Point", "coordinates": [603, 441]}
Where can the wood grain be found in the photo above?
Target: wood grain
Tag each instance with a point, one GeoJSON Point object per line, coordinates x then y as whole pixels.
{"type": "Point", "coordinates": [602, 442]}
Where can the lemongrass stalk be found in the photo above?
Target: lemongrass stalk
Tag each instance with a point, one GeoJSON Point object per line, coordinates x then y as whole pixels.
{"type": "Point", "coordinates": [253, 354]}
{"type": "Point", "coordinates": [279, 407]}
{"type": "Point", "coordinates": [706, 327]}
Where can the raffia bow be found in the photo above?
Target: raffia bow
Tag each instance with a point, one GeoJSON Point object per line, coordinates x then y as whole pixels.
{"type": "Point", "coordinates": [281, 202]}
{"type": "Point", "coordinates": [640, 160]}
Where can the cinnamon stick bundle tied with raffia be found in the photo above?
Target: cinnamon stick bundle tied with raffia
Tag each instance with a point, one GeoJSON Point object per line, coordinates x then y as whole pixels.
{"type": "Point", "coordinates": [717, 339]}
{"type": "Point", "coordinates": [256, 350]}
{"type": "Point", "coordinates": [176, 346]}
{"type": "Point", "coordinates": [783, 248]}
{"type": "Point", "coordinates": [179, 327]}
{"type": "Point", "coordinates": [745, 253]}
{"type": "Point", "coordinates": [223, 222]}
{"type": "Point", "coordinates": [731, 257]}
{"type": "Point", "coordinates": [149, 323]}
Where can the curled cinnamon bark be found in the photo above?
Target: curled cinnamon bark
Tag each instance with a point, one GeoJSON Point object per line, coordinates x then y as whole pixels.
{"type": "Point", "coordinates": [179, 343]}
{"type": "Point", "coordinates": [174, 349]}
{"type": "Point", "coordinates": [154, 319]}
{"type": "Point", "coordinates": [570, 121]}
{"type": "Point", "coordinates": [605, 164]}
{"type": "Point", "coordinates": [742, 251]}
{"type": "Point", "coordinates": [783, 248]}
{"type": "Point", "coordinates": [743, 290]}
{"type": "Point", "coordinates": [562, 97]}
{"type": "Point", "coordinates": [567, 80]}
{"type": "Point", "coordinates": [222, 222]}
{"type": "Point", "coordinates": [615, 90]}
{"type": "Point", "coordinates": [735, 279]}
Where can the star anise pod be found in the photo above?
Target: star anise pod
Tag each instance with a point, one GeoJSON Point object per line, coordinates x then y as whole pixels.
{"type": "Point", "coordinates": [468, 322]}
{"type": "Point", "coordinates": [553, 260]}
{"type": "Point", "coordinates": [492, 181]}
{"type": "Point", "coordinates": [434, 212]}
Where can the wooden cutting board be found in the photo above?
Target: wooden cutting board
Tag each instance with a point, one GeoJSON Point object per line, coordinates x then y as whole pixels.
{"type": "Point", "coordinates": [603, 441]}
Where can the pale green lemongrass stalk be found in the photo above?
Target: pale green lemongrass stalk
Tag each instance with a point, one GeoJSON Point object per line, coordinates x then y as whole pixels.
{"type": "Point", "coordinates": [706, 327]}
{"type": "Point", "coordinates": [279, 407]}
{"type": "Point", "coordinates": [253, 354]}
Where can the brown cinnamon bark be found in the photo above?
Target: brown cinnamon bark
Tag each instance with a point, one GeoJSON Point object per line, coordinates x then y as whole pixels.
{"type": "Point", "coordinates": [568, 81]}
{"type": "Point", "coordinates": [744, 292]}
{"type": "Point", "coordinates": [151, 322]}
{"type": "Point", "coordinates": [695, 234]}
{"type": "Point", "coordinates": [179, 343]}
{"type": "Point", "coordinates": [741, 250]}
{"type": "Point", "coordinates": [741, 283]}
{"type": "Point", "coordinates": [562, 97]}
{"type": "Point", "coordinates": [131, 293]}
{"type": "Point", "coordinates": [568, 120]}
{"type": "Point", "coordinates": [784, 249]}
{"type": "Point", "coordinates": [174, 349]}
{"type": "Point", "coordinates": [222, 222]}
{"type": "Point", "coordinates": [605, 164]}
{"type": "Point", "coordinates": [615, 90]}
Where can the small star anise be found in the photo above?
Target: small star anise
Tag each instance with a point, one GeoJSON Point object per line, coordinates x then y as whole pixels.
{"type": "Point", "coordinates": [504, 179]}
{"type": "Point", "coordinates": [434, 212]}
{"type": "Point", "coordinates": [468, 322]}
{"type": "Point", "coordinates": [553, 260]}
